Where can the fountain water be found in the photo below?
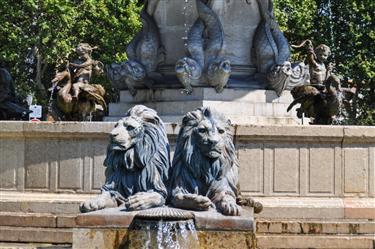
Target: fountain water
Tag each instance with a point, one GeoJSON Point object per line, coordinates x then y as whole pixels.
{"type": "Point", "coordinates": [186, 11]}
{"type": "Point", "coordinates": [162, 228]}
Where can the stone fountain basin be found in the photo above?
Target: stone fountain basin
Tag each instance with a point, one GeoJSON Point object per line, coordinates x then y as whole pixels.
{"type": "Point", "coordinates": [106, 229]}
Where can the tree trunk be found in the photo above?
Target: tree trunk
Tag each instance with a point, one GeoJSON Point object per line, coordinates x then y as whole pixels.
{"type": "Point", "coordinates": [40, 69]}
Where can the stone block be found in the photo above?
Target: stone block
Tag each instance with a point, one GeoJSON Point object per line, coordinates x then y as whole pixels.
{"type": "Point", "coordinates": [225, 240]}
{"type": "Point", "coordinates": [329, 228]}
{"type": "Point", "coordinates": [321, 241]}
{"type": "Point", "coordinates": [251, 159]}
{"type": "Point", "coordinates": [232, 102]}
{"type": "Point", "coordinates": [114, 227]}
{"type": "Point", "coordinates": [279, 110]}
{"type": "Point", "coordinates": [367, 228]}
{"type": "Point", "coordinates": [106, 218]}
{"type": "Point", "coordinates": [103, 239]}
{"type": "Point", "coordinates": [262, 227]}
{"type": "Point", "coordinates": [41, 202]}
{"type": "Point", "coordinates": [316, 226]}
{"type": "Point", "coordinates": [359, 208]}
{"type": "Point", "coordinates": [37, 164]}
{"type": "Point", "coordinates": [215, 221]}
{"type": "Point", "coordinates": [38, 235]}
{"type": "Point", "coordinates": [70, 167]}
{"type": "Point", "coordinates": [322, 170]}
{"type": "Point", "coordinates": [286, 170]}
{"type": "Point", "coordinates": [7, 245]}
{"type": "Point", "coordinates": [306, 134]}
{"type": "Point", "coordinates": [356, 165]}
{"type": "Point", "coordinates": [343, 228]}
{"type": "Point", "coordinates": [292, 227]}
{"type": "Point", "coordinates": [207, 220]}
{"type": "Point", "coordinates": [114, 238]}
{"type": "Point", "coordinates": [300, 208]}
{"type": "Point", "coordinates": [353, 134]}
{"type": "Point", "coordinates": [11, 159]}
{"type": "Point", "coordinates": [27, 220]}
{"type": "Point", "coordinates": [66, 221]}
{"type": "Point", "coordinates": [96, 165]}
{"type": "Point", "coordinates": [275, 227]}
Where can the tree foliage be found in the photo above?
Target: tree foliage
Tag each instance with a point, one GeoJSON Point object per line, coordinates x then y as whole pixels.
{"type": "Point", "coordinates": [347, 26]}
{"type": "Point", "coordinates": [47, 31]}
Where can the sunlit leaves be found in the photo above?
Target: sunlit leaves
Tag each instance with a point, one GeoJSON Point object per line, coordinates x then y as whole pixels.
{"type": "Point", "coordinates": [57, 26]}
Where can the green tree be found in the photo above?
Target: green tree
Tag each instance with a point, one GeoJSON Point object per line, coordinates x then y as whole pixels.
{"type": "Point", "coordinates": [48, 30]}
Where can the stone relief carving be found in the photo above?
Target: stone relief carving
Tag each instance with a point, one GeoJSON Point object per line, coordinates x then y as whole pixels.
{"type": "Point", "coordinates": [145, 52]}
{"type": "Point", "coordinates": [137, 163]}
{"type": "Point", "coordinates": [204, 44]}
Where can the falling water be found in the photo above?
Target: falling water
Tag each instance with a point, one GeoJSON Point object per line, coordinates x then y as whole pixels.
{"type": "Point", "coordinates": [186, 13]}
{"type": "Point", "coordinates": [161, 234]}
{"type": "Point", "coordinates": [50, 101]}
{"type": "Point", "coordinates": [162, 228]}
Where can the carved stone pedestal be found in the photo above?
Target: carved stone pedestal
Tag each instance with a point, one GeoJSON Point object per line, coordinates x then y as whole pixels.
{"type": "Point", "coordinates": [241, 106]}
{"type": "Point", "coordinates": [114, 229]}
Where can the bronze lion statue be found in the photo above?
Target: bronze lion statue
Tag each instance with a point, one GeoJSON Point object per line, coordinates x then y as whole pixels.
{"type": "Point", "coordinates": [137, 164]}
{"type": "Point", "coordinates": [205, 165]}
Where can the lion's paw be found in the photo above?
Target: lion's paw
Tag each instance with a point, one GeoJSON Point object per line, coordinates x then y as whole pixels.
{"type": "Point", "coordinates": [100, 202]}
{"type": "Point", "coordinates": [193, 202]}
{"type": "Point", "coordinates": [144, 200]}
{"type": "Point", "coordinates": [228, 206]}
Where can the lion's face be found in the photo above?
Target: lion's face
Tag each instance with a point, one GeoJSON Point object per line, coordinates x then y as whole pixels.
{"type": "Point", "coordinates": [126, 133]}
{"type": "Point", "coordinates": [209, 137]}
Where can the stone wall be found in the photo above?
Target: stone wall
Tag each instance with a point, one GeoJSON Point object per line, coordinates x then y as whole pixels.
{"type": "Point", "coordinates": [276, 161]}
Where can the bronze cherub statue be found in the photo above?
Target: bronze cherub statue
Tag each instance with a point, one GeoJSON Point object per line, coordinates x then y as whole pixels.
{"type": "Point", "coordinates": [76, 98]}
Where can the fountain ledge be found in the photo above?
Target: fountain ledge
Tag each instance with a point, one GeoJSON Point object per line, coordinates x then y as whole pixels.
{"type": "Point", "coordinates": [204, 220]}
{"type": "Point", "coordinates": [112, 228]}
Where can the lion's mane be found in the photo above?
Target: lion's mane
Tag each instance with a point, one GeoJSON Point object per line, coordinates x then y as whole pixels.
{"type": "Point", "coordinates": [195, 173]}
{"type": "Point", "coordinates": [145, 166]}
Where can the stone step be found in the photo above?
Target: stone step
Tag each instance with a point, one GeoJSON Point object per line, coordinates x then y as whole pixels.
{"type": "Point", "coordinates": [274, 207]}
{"type": "Point", "coordinates": [316, 226]}
{"type": "Point", "coordinates": [45, 220]}
{"type": "Point", "coordinates": [318, 241]}
{"type": "Point", "coordinates": [316, 208]}
{"type": "Point", "coordinates": [291, 233]}
{"type": "Point", "coordinates": [209, 94]}
{"type": "Point", "coordinates": [275, 226]}
{"type": "Point", "coordinates": [36, 235]}
{"type": "Point", "coordinates": [33, 246]}
{"type": "Point", "coordinates": [41, 202]}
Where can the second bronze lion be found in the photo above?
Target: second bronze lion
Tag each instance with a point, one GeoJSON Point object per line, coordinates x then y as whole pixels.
{"type": "Point", "coordinates": [205, 166]}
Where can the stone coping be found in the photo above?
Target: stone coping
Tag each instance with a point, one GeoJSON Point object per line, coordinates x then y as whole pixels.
{"type": "Point", "coordinates": [316, 208]}
{"type": "Point", "coordinates": [206, 220]}
{"type": "Point", "coordinates": [291, 133]}
{"type": "Point", "coordinates": [274, 207]}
